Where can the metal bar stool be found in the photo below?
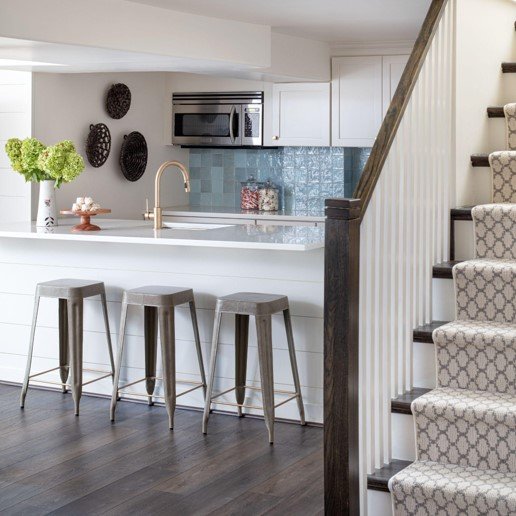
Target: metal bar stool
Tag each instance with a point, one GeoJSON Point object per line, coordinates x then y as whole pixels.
{"type": "Point", "coordinates": [71, 294]}
{"type": "Point", "coordinates": [159, 305]}
{"type": "Point", "coordinates": [262, 307]}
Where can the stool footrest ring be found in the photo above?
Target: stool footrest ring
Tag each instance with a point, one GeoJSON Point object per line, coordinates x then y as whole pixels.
{"type": "Point", "coordinates": [105, 374]}
{"type": "Point", "coordinates": [293, 395]}
{"type": "Point", "coordinates": [196, 385]}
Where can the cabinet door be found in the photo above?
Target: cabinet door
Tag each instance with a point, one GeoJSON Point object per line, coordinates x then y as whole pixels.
{"type": "Point", "coordinates": [356, 100]}
{"type": "Point", "coordinates": [393, 67]}
{"type": "Point", "coordinates": [301, 114]}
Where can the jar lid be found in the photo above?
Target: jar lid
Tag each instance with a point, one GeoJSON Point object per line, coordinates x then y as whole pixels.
{"type": "Point", "coordinates": [270, 185]}
{"type": "Point", "coordinates": [250, 181]}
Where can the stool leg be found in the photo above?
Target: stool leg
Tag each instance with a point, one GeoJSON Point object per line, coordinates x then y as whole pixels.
{"type": "Point", "coordinates": [293, 364]}
{"type": "Point", "coordinates": [264, 333]}
{"type": "Point", "coordinates": [64, 360]}
{"type": "Point", "coordinates": [75, 335]}
{"type": "Point", "coordinates": [150, 315]}
{"type": "Point", "coordinates": [168, 354]}
{"type": "Point", "coordinates": [241, 345]}
{"type": "Point", "coordinates": [211, 374]}
{"type": "Point", "coordinates": [108, 332]}
{"type": "Point", "coordinates": [119, 356]}
{"type": "Point", "coordinates": [193, 316]}
{"type": "Point", "coordinates": [31, 349]}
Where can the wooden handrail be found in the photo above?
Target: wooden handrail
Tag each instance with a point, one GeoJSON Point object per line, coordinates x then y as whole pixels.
{"type": "Point", "coordinates": [392, 120]}
{"type": "Point", "coordinates": [341, 297]}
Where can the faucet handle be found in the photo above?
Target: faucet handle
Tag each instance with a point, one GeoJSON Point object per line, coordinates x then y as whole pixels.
{"type": "Point", "coordinates": [147, 215]}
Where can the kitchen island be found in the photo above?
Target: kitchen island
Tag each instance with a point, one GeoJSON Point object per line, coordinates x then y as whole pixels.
{"type": "Point", "coordinates": [127, 254]}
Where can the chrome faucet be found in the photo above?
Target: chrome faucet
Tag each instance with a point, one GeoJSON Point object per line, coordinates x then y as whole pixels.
{"type": "Point", "coordinates": [158, 212]}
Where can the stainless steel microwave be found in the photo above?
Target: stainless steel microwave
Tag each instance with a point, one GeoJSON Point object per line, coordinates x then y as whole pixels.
{"type": "Point", "coordinates": [233, 119]}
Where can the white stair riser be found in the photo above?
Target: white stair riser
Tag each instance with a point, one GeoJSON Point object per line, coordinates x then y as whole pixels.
{"type": "Point", "coordinates": [378, 503]}
{"type": "Point", "coordinates": [464, 234]}
{"type": "Point", "coordinates": [403, 438]}
{"type": "Point", "coordinates": [443, 300]}
{"type": "Point", "coordinates": [424, 365]}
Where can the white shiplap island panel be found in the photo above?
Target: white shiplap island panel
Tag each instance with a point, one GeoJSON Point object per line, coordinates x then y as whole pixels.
{"type": "Point", "coordinates": [28, 257]}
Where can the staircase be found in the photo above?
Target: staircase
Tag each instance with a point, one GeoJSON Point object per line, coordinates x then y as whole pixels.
{"type": "Point", "coordinates": [466, 428]}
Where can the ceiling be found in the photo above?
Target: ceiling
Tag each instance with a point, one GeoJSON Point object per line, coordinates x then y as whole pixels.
{"type": "Point", "coordinates": [336, 21]}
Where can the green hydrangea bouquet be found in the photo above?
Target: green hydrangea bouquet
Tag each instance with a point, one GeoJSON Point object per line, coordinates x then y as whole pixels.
{"type": "Point", "coordinates": [35, 162]}
{"type": "Point", "coordinates": [48, 166]}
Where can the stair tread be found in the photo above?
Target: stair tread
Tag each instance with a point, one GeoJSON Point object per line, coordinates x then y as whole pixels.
{"type": "Point", "coordinates": [475, 326]}
{"type": "Point", "coordinates": [444, 269]}
{"type": "Point", "coordinates": [469, 404]}
{"type": "Point", "coordinates": [480, 160]}
{"type": "Point", "coordinates": [379, 480]}
{"type": "Point", "coordinates": [461, 213]}
{"type": "Point", "coordinates": [429, 478]}
{"type": "Point", "coordinates": [495, 112]}
{"type": "Point", "coordinates": [402, 404]}
{"type": "Point", "coordinates": [492, 263]}
{"type": "Point", "coordinates": [509, 67]}
{"type": "Point", "coordinates": [424, 332]}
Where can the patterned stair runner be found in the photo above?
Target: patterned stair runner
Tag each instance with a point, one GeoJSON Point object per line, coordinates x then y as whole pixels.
{"type": "Point", "coordinates": [466, 427]}
{"type": "Point", "coordinates": [503, 163]}
{"type": "Point", "coordinates": [431, 488]}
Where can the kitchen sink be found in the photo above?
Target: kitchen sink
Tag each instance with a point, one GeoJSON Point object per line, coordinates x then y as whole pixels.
{"type": "Point", "coordinates": [193, 226]}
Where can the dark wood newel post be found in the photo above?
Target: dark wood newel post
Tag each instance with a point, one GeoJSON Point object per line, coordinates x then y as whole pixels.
{"type": "Point", "coordinates": [341, 290]}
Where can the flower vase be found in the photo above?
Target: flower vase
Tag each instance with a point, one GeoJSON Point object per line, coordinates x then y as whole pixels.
{"type": "Point", "coordinates": [47, 210]}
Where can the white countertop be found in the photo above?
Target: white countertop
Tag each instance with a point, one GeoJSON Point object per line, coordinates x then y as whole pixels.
{"type": "Point", "coordinates": [237, 213]}
{"type": "Point", "coordinates": [280, 238]}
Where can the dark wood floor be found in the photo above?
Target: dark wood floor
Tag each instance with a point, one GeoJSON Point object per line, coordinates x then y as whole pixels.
{"type": "Point", "coordinates": [54, 462]}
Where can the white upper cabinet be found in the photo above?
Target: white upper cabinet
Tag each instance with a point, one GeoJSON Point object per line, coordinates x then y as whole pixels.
{"type": "Point", "coordinates": [356, 100]}
{"type": "Point", "coordinates": [301, 115]}
{"type": "Point", "coordinates": [362, 90]}
{"type": "Point", "coordinates": [393, 67]}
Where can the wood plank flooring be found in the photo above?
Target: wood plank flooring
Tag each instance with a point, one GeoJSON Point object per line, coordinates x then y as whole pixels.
{"type": "Point", "coordinates": [52, 462]}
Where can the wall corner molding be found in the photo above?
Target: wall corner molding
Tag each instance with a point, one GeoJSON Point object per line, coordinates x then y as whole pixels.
{"type": "Point", "coordinates": [371, 48]}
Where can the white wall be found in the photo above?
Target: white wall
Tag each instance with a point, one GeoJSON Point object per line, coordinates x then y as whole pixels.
{"type": "Point", "coordinates": [15, 121]}
{"type": "Point", "coordinates": [485, 38]}
{"type": "Point", "coordinates": [64, 108]}
{"type": "Point", "coordinates": [298, 59]}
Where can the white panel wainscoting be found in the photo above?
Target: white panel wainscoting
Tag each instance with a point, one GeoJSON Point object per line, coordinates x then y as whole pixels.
{"type": "Point", "coordinates": [210, 272]}
{"type": "Point", "coordinates": [15, 122]}
{"type": "Point", "coordinates": [404, 232]}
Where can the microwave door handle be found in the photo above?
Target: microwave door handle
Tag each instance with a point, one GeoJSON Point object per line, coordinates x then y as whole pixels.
{"type": "Point", "coordinates": [231, 119]}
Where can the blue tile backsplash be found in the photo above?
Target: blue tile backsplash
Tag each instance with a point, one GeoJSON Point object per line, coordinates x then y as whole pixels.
{"type": "Point", "coordinates": [304, 175]}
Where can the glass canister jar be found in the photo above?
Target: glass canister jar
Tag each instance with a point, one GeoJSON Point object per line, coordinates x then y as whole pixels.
{"type": "Point", "coordinates": [268, 195]}
{"type": "Point", "coordinates": [249, 194]}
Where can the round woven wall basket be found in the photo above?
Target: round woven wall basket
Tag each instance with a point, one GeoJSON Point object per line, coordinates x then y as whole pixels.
{"type": "Point", "coordinates": [98, 145]}
{"type": "Point", "coordinates": [133, 156]}
{"type": "Point", "coordinates": [118, 100]}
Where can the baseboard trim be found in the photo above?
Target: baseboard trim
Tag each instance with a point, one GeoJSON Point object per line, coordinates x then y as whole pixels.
{"type": "Point", "coordinates": [161, 404]}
